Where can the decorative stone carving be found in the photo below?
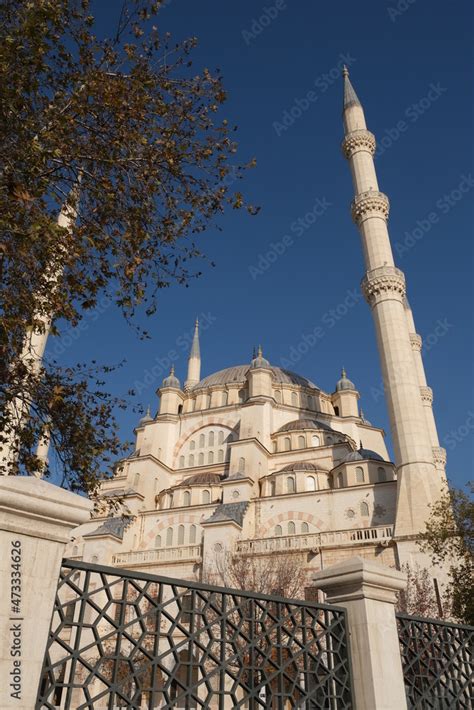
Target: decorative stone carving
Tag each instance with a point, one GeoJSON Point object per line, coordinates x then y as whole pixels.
{"type": "Point", "coordinates": [416, 341]}
{"type": "Point", "coordinates": [369, 204]}
{"type": "Point", "coordinates": [383, 281]}
{"type": "Point", "coordinates": [358, 140]}
{"type": "Point", "coordinates": [439, 456]}
{"type": "Point", "coordinates": [426, 395]}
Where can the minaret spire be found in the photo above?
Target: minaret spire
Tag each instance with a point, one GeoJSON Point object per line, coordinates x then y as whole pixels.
{"type": "Point", "coordinates": [194, 362]}
{"type": "Point", "coordinates": [384, 289]}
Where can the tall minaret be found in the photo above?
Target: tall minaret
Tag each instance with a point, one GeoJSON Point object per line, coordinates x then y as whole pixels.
{"type": "Point", "coordinates": [412, 424]}
{"type": "Point", "coordinates": [194, 362]}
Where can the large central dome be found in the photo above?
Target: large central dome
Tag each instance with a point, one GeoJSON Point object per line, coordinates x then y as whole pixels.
{"type": "Point", "coordinates": [239, 372]}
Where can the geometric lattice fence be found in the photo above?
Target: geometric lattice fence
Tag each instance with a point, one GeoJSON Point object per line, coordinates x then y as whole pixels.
{"type": "Point", "coordinates": [437, 663]}
{"type": "Point", "coordinates": [121, 639]}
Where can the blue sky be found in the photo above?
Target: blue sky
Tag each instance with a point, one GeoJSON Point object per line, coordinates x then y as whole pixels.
{"type": "Point", "coordinates": [294, 270]}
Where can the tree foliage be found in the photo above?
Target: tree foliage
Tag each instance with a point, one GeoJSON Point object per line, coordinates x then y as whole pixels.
{"type": "Point", "coordinates": [419, 598]}
{"type": "Point", "coordinates": [449, 539]}
{"type": "Point", "coordinates": [121, 133]}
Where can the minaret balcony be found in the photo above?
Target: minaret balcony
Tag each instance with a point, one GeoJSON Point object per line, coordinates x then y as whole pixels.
{"type": "Point", "coordinates": [383, 281]}
{"type": "Point", "coordinates": [356, 141]}
{"type": "Point", "coordinates": [371, 203]}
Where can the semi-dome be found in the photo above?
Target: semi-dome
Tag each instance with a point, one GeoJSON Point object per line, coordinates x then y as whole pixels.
{"type": "Point", "coordinates": [362, 455]}
{"type": "Point", "coordinates": [298, 424]}
{"type": "Point", "coordinates": [299, 466]}
{"type": "Point", "coordinates": [201, 479]}
{"type": "Point", "coordinates": [238, 373]}
{"type": "Point", "coordinates": [344, 383]}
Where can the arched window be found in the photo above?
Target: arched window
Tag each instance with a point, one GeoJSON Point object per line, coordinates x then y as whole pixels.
{"type": "Point", "coordinates": [301, 442]}
{"type": "Point", "coordinates": [310, 402]}
{"type": "Point", "coordinates": [192, 534]}
{"type": "Point", "coordinates": [181, 535]}
{"type": "Point", "coordinates": [169, 537]}
{"type": "Point", "coordinates": [191, 460]}
{"type": "Point", "coordinates": [186, 498]}
{"type": "Point", "coordinates": [210, 457]}
{"type": "Point", "coordinates": [220, 437]}
{"type": "Point", "coordinates": [241, 465]}
{"type": "Point", "coordinates": [278, 530]}
{"type": "Point", "coordinates": [291, 528]}
{"type": "Point", "coordinates": [181, 461]}
{"type": "Point", "coordinates": [136, 480]}
{"type": "Point", "coordinates": [225, 398]}
{"type": "Point", "coordinates": [241, 396]}
{"type": "Point", "coordinates": [75, 551]}
{"type": "Point", "coordinates": [336, 411]}
{"type": "Point", "coordinates": [304, 528]}
{"type": "Point", "coordinates": [170, 500]}
{"type": "Point", "coordinates": [220, 456]}
{"type": "Point", "coordinates": [206, 497]}
{"type": "Point", "coordinates": [275, 447]}
{"type": "Point", "coordinates": [201, 459]}
{"type": "Point", "coordinates": [192, 445]}
{"type": "Point", "coordinates": [294, 399]}
{"type": "Point", "coordinates": [278, 396]}
{"type": "Point", "coordinates": [211, 438]}
{"type": "Point", "coordinates": [311, 483]}
{"type": "Point", "coordinates": [382, 474]}
{"type": "Point", "coordinates": [206, 403]}
{"type": "Point", "coordinates": [287, 443]}
{"type": "Point", "coordinates": [315, 440]}
{"type": "Point", "coordinates": [272, 488]}
{"type": "Point", "coordinates": [158, 541]}
{"type": "Point", "coordinates": [192, 405]}
{"type": "Point", "coordinates": [364, 509]}
{"type": "Point", "coordinates": [360, 474]}
{"type": "Point", "coordinates": [290, 485]}
{"type": "Point", "coordinates": [201, 441]}
{"type": "Point", "coordinates": [340, 480]}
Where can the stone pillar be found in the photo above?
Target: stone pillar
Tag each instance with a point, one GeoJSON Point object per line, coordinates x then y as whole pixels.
{"type": "Point", "coordinates": [36, 519]}
{"type": "Point", "coordinates": [368, 591]}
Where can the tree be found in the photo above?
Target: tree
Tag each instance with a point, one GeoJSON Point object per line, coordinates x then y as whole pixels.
{"type": "Point", "coordinates": [419, 598]}
{"type": "Point", "coordinates": [123, 138]}
{"type": "Point", "coordinates": [449, 539]}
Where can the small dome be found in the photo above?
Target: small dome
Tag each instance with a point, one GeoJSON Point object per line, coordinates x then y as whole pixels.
{"type": "Point", "coordinates": [147, 418]}
{"type": "Point", "coordinates": [362, 455]}
{"type": "Point", "coordinates": [172, 380]}
{"type": "Point", "coordinates": [344, 383]}
{"type": "Point", "coordinates": [299, 424]}
{"type": "Point", "coordinates": [259, 361]}
{"type": "Point", "coordinates": [201, 479]}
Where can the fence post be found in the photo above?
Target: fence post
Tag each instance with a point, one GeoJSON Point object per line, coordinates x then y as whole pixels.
{"type": "Point", "coordinates": [368, 592]}
{"type": "Point", "coordinates": [36, 519]}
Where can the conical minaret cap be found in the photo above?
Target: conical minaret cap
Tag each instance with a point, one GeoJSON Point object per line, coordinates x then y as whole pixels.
{"type": "Point", "coordinates": [195, 350]}
{"type": "Point", "coordinates": [350, 96]}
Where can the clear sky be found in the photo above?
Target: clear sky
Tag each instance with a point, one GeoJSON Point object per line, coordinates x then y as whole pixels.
{"type": "Point", "coordinates": [294, 270]}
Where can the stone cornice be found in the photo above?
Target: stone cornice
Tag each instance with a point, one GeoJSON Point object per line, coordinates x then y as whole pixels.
{"type": "Point", "coordinates": [356, 141]}
{"type": "Point", "coordinates": [382, 282]}
{"type": "Point", "coordinates": [369, 204]}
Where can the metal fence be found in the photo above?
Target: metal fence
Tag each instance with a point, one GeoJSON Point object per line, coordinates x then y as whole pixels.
{"type": "Point", "coordinates": [126, 639]}
{"type": "Point", "coordinates": [437, 663]}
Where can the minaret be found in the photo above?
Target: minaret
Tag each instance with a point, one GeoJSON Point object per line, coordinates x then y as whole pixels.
{"type": "Point", "coordinates": [194, 362]}
{"type": "Point", "coordinates": [384, 289]}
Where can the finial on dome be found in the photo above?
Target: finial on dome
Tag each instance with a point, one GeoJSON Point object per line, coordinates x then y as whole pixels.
{"type": "Point", "coordinates": [259, 360]}
{"type": "Point", "coordinates": [345, 71]}
{"type": "Point", "coordinates": [172, 380]}
{"type": "Point", "coordinates": [259, 352]}
{"type": "Point", "coordinates": [147, 418]}
{"type": "Point", "coordinates": [360, 445]}
{"type": "Point", "coordinates": [344, 383]}
{"type": "Point", "coordinates": [172, 369]}
{"type": "Point", "coordinates": [343, 372]}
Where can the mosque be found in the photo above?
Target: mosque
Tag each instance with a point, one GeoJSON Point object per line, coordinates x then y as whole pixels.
{"type": "Point", "coordinates": [256, 460]}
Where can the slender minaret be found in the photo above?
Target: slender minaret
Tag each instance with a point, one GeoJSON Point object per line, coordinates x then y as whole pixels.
{"type": "Point", "coordinates": [194, 362]}
{"type": "Point", "coordinates": [32, 357]}
{"type": "Point", "coordinates": [383, 286]}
